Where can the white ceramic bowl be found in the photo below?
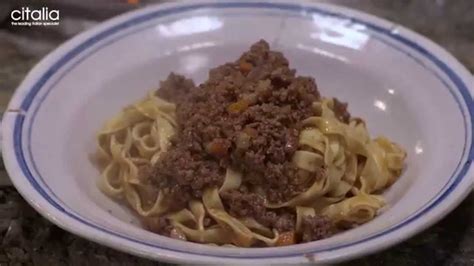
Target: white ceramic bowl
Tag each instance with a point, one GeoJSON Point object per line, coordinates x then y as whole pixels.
{"type": "Point", "coordinates": [406, 87]}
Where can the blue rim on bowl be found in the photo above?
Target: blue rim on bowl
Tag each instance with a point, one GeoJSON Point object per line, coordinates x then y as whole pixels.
{"type": "Point", "coordinates": [409, 45]}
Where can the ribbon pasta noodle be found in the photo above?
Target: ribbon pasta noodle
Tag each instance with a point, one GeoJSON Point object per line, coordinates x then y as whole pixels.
{"type": "Point", "coordinates": [135, 138]}
{"type": "Point", "coordinates": [253, 157]}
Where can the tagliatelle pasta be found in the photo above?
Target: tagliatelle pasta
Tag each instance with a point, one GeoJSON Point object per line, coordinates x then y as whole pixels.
{"type": "Point", "coordinates": [344, 170]}
{"type": "Point", "coordinates": [134, 139]}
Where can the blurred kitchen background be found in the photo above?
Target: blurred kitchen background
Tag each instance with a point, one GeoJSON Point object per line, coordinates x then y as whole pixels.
{"type": "Point", "coordinates": [28, 239]}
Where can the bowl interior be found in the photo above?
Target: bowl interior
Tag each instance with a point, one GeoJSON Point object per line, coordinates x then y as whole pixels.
{"type": "Point", "coordinates": [398, 96]}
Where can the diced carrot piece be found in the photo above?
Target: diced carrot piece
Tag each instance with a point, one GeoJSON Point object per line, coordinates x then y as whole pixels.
{"type": "Point", "coordinates": [286, 238]}
{"type": "Point", "coordinates": [217, 147]}
{"type": "Point", "coordinates": [238, 106]}
{"type": "Point", "coordinates": [245, 67]}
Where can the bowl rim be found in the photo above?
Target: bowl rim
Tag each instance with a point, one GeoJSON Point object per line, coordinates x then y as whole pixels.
{"type": "Point", "coordinates": [25, 95]}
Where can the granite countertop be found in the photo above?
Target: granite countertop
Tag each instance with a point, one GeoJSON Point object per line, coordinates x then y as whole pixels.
{"type": "Point", "coordinates": [28, 239]}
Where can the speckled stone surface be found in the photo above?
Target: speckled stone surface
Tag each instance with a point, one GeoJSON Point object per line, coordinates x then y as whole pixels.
{"type": "Point", "coordinates": [28, 239]}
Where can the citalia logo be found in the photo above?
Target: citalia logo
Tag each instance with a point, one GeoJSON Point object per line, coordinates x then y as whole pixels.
{"type": "Point", "coordinates": [34, 17]}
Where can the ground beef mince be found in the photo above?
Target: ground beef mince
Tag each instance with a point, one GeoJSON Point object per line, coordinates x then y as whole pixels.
{"type": "Point", "coordinates": [247, 115]}
{"type": "Point", "coordinates": [159, 225]}
{"type": "Point", "coordinates": [340, 109]}
{"type": "Point", "coordinates": [315, 228]}
{"type": "Point", "coordinates": [286, 221]}
{"type": "Point", "coordinates": [174, 88]}
{"type": "Point", "coordinates": [243, 204]}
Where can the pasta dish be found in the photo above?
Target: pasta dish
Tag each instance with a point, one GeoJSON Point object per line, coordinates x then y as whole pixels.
{"type": "Point", "coordinates": [252, 157]}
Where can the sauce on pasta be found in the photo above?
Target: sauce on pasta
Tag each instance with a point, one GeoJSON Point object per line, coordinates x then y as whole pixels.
{"type": "Point", "coordinates": [252, 157]}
